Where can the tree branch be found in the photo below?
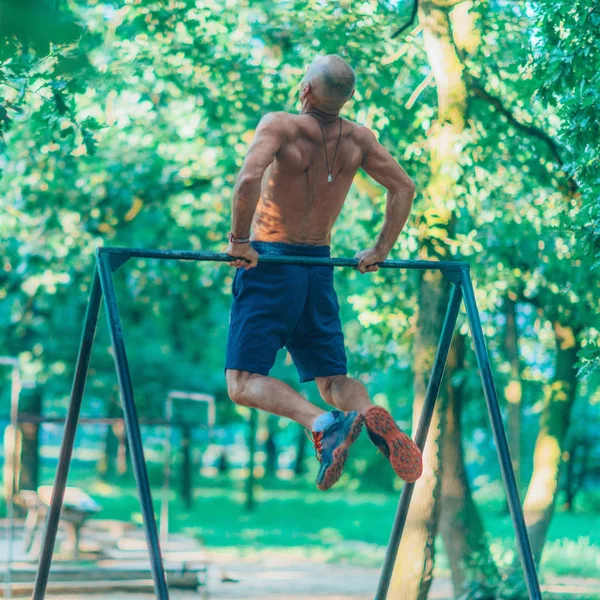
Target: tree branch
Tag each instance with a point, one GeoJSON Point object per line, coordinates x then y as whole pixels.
{"type": "Point", "coordinates": [414, 96]}
{"type": "Point", "coordinates": [413, 14]}
{"type": "Point", "coordinates": [446, 4]}
{"type": "Point", "coordinates": [528, 128]}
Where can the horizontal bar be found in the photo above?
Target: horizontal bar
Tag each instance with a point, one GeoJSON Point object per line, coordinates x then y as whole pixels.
{"type": "Point", "coordinates": [196, 396]}
{"type": "Point", "coordinates": [297, 260]}
{"type": "Point", "coordinates": [9, 361]}
{"type": "Point", "coordinates": [39, 420]}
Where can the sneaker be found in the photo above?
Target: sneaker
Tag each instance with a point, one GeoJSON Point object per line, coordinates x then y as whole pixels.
{"type": "Point", "coordinates": [333, 434]}
{"type": "Point", "coordinates": [404, 455]}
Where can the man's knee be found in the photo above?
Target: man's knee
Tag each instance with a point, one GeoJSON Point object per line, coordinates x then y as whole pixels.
{"type": "Point", "coordinates": [325, 386]}
{"type": "Point", "coordinates": [237, 386]}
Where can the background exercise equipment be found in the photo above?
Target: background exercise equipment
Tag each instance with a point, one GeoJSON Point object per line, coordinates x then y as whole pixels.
{"type": "Point", "coordinates": [111, 259]}
{"type": "Point", "coordinates": [185, 568]}
{"type": "Point", "coordinates": [10, 468]}
{"type": "Point", "coordinates": [166, 487]}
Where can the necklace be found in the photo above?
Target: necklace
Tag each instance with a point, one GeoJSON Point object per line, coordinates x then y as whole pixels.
{"type": "Point", "coordinates": [329, 176]}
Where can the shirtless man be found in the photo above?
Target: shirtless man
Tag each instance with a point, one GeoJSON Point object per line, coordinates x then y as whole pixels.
{"type": "Point", "coordinates": [288, 195]}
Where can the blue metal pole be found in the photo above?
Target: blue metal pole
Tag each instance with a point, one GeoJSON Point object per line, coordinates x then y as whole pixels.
{"type": "Point", "coordinates": [433, 388]}
{"type": "Point", "coordinates": [296, 260]}
{"type": "Point", "coordinates": [66, 448]}
{"type": "Point", "coordinates": [508, 474]}
{"type": "Point", "coordinates": [132, 426]}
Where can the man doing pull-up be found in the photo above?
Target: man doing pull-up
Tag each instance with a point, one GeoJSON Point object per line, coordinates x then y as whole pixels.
{"type": "Point", "coordinates": [289, 193]}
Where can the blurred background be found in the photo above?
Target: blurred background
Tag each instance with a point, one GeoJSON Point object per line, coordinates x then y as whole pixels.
{"type": "Point", "coordinates": [125, 124]}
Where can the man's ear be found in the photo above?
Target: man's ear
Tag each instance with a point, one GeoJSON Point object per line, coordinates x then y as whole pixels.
{"type": "Point", "coordinates": [352, 94]}
{"type": "Point", "coordinates": [304, 90]}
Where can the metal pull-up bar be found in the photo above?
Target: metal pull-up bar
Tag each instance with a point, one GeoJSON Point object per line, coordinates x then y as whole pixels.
{"type": "Point", "coordinates": [118, 256]}
{"type": "Point", "coordinates": [110, 259]}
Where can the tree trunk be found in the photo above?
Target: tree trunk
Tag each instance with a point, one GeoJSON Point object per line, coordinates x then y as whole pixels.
{"type": "Point", "coordinates": [570, 459]}
{"type": "Point", "coordinates": [461, 527]}
{"type": "Point", "coordinates": [107, 467]}
{"type": "Point", "coordinates": [414, 565]}
{"type": "Point", "coordinates": [186, 478]}
{"type": "Point", "coordinates": [31, 404]}
{"type": "Point", "coordinates": [223, 464]}
{"type": "Point", "coordinates": [554, 422]}
{"type": "Point", "coordinates": [252, 424]}
{"type": "Point", "coordinates": [12, 454]}
{"type": "Point", "coordinates": [271, 446]}
{"type": "Point", "coordinates": [122, 447]}
{"type": "Point", "coordinates": [513, 392]}
{"type": "Point", "coordinates": [299, 468]}
{"type": "Point", "coordinates": [413, 571]}
{"type": "Point", "coordinates": [584, 464]}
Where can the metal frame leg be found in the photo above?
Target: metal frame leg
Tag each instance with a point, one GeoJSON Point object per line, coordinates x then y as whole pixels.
{"type": "Point", "coordinates": [66, 448]}
{"type": "Point", "coordinates": [132, 426]}
{"type": "Point", "coordinates": [508, 475]}
{"type": "Point", "coordinates": [431, 395]}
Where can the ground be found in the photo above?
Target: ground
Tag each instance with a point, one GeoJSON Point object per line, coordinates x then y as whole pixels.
{"type": "Point", "coordinates": [275, 577]}
{"type": "Point", "coordinates": [300, 544]}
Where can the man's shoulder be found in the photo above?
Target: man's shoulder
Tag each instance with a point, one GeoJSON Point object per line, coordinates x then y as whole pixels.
{"type": "Point", "coordinates": [364, 138]}
{"type": "Point", "coordinates": [276, 115]}
{"type": "Point", "coordinates": [363, 133]}
{"type": "Point", "coordinates": [276, 122]}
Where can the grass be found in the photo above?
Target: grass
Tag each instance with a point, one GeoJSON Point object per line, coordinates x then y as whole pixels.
{"type": "Point", "coordinates": [343, 527]}
{"type": "Point", "coordinates": [337, 526]}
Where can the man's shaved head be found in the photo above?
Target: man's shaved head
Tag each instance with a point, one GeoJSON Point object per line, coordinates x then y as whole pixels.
{"type": "Point", "coordinates": [331, 81]}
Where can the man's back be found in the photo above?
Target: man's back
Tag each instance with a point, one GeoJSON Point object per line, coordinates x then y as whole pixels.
{"type": "Point", "coordinates": [299, 168]}
{"type": "Point", "coordinates": [297, 203]}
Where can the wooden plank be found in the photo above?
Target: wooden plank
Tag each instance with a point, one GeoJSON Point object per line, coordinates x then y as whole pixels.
{"type": "Point", "coordinates": [100, 575]}
{"type": "Point", "coordinates": [100, 587]}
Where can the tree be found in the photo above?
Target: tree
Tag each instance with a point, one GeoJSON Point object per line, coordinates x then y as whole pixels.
{"type": "Point", "coordinates": [170, 96]}
{"type": "Point", "coordinates": [566, 59]}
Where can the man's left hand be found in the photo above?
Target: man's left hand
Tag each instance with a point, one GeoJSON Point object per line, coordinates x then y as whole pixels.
{"type": "Point", "coordinates": [368, 259]}
{"type": "Point", "coordinates": [244, 255]}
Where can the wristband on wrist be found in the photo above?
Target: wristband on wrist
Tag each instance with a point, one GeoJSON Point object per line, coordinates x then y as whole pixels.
{"type": "Point", "coordinates": [238, 240]}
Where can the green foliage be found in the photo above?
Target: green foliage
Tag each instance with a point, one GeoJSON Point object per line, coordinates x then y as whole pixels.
{"type": "Point", "coordinates": [139, 145]}
{"type": "Point", "coordinates": [126, 124]}
{"type": "Point", "coordinates": [566, 59]}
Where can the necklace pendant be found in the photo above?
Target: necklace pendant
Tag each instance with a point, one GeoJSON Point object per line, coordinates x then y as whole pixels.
{"type": "Point", "coordinates": [329, 178]}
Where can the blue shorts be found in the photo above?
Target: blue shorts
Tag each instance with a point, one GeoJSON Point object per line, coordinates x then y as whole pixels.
{"type": "Point", "coordinates": [291, 306]}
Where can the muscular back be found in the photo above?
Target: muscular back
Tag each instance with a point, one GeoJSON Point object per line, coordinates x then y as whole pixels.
{"type": "Point", "coordinates": [283, 190]}
{"type": "Point", "coordinates": [297, 204]}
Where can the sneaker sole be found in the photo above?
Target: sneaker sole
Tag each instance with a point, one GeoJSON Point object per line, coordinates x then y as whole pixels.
{"type": "Point", "coordinates": [404, 455]}
{"type": "Point", "coordinates": [340, 454]}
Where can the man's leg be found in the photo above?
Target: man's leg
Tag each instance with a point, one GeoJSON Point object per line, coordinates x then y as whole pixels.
{"type": "Point", "coordinates": [271, 395]}
{"type": "Point", "coordinates": [344, 393]}
{"type": "Point", "coordinates": [334, 434]}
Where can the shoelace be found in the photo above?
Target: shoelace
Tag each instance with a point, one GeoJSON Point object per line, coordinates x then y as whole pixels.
{"type": "Point", "coordinates": [316, 437]}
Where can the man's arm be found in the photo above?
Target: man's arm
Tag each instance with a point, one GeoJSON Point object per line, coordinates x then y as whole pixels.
{"type": "Point", "coordinates": [263, 149]}
{"type": "Point", "coordinates": [383, 168]}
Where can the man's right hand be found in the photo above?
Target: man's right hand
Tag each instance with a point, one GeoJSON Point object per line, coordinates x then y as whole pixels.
{"type": "Point", "coordinates": [244, 255]}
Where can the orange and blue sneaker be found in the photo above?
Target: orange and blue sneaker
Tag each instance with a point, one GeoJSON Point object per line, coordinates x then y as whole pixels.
{"type": "Point", "coordinates": [333, 433]}
{"type": "Point", "coordinates": [404, 455]}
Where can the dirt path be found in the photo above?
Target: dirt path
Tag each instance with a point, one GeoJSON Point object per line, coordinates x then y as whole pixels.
{"type": "Point", "coordinates": [278, 578]}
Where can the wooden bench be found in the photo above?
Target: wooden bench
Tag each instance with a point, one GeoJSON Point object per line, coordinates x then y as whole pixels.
{"type": "Point", "coordinates": [106, 576]}
{"type": "Point", "coordinates": [78, 507]}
